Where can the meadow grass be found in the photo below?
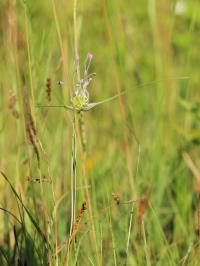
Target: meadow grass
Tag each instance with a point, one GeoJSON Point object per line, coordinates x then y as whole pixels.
{"type": "Point", "coordinates": [118, 184]}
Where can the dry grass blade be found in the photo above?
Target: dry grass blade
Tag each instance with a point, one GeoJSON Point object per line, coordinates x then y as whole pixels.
{"type": "Point", "coordinates": [31, 138]}
{"type": "Point", "coordinates": [191, 165]}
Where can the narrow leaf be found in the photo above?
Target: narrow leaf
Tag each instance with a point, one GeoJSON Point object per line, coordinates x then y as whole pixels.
{"type": "Point", "coordinates": [27, 211]}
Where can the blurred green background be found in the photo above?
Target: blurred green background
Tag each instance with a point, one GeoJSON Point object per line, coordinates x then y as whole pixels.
{"type": "Point", "coordinates": [145, 143]}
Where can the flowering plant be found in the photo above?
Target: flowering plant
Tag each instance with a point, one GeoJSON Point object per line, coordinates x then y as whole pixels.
{"type": "Point", "coordinates": [80, 100]}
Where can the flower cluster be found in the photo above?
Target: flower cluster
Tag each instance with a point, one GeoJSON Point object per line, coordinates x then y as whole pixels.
{"type": "Point", "coordinates": [81, 97]}
{"type": "Point", "coordinates": [80, 100]}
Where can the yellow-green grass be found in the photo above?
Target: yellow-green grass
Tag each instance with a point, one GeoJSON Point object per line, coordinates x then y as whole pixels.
{"type": "Point", "coordinates": [142, 148]}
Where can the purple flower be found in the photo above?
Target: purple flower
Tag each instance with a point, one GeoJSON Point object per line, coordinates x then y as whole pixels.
{"type": "Point", "coordinates": [89, 56]}
{"type": "Point", "coordinates": [82, 95]}
{"type": "Point", "coordinates": [87, 64]}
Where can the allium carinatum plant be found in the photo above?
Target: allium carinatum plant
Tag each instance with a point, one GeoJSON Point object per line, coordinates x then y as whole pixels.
{"type": "Point", "coordinates": [81, 98]}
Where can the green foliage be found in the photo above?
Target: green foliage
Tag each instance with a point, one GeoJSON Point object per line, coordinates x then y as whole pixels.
{"type": "Point", "coordinates": [142, 143]}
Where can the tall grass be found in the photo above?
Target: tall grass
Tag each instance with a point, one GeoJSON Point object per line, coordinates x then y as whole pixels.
{"type": "Point", "coordinates": [118, 184]}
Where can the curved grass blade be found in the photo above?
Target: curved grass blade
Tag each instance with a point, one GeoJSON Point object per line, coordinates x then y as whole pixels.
{"type": "Point", "coordinates": [92, 105]}
{"type": "Point", "coordinates": [86, 108]}
{"type": "Point", "coordinates": [25, 208]}
{"type": "Point", "coordinates": [11, 214]}
{"type": "Point", "coordinates": [56, 106]}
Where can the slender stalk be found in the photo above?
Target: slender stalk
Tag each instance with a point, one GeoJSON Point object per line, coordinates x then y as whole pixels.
{"type": "Point", "coordinates": [81, 133]}
{"type": "Point", "coordinates": [113, 240]}
{"type": "Point", "coordinates": [57, 27]}
{"type": "Point", "coordinates": [73, 191]}
{"type": "Point", "coordinates": [148, 261]}
{"type": "Point", "coordinates": [129, 157]}
{"type": "Point", "coordinates": [55, 221]}
{"type": "Point", "coordinates": [76, 38]}
{"type": "Point", "coordinates": [132, 209]}
{"type": "Point", "coordinates": [73, 180]}
{"type": "Point", "coordinates": [32, 106]}
{"type": "Point", "coordinates": [29, 57]}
